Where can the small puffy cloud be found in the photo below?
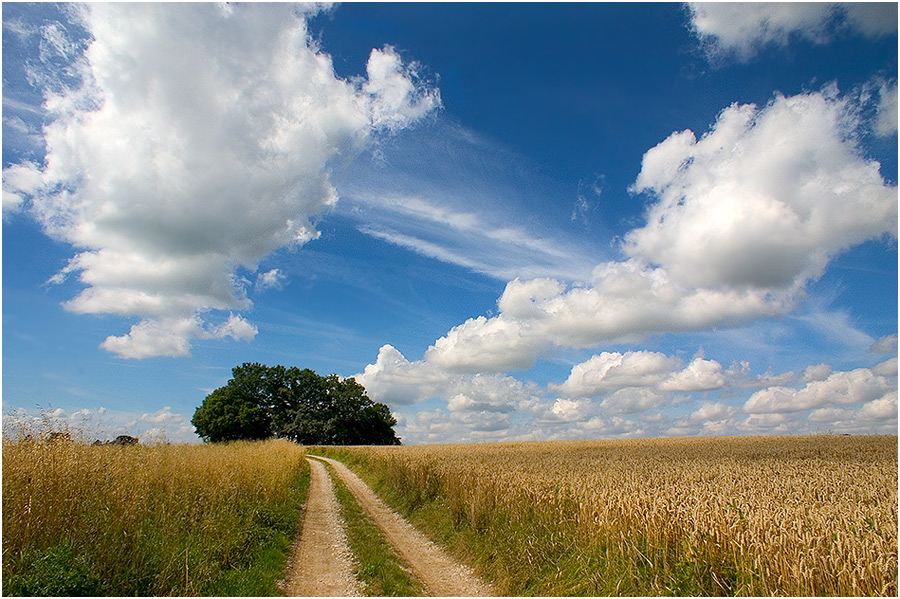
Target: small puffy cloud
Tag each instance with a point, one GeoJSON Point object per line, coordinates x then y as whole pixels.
{"type": "Point", "coordinates": [194, 141]}
{"type": "Point", "coordinates": [394, 380]}
{"type": "Point", "coordinates": [149, 338]}
{"type": "Point", "coordinates": [830, 415]}
{"type": "Point", "coordinates": [489, 393]}
{"type": "Point", "coordinates": [714, 411]}
{"type": "Point", "coordinates": [162, 416]}
{"type": "Point", "coordinates": [818, 372]}
{"type": "Point", "coordinates": [172, 337]}
{"type": "Point", "coordinates": [757, 424]}
{"type": "Point", "coordinates": [886, 368]}
{"type": "Point", "coordinates": [476, 424]}
{"type": "Point", "coordinates": [272, 279]}
{"type": "Point", "coordinates": [632, 400]}
{"type": "Point", "coordinates": [840, 388]}
{"type": "Point", "coordinates": [611, 371]}
{"type": "Point", "coordinates": [236, 327]}
{"type": "Point", "coordinates": [570, 410]}
{"type": "Point", "coordinates": [396, 97]}
{"type": "Point", "coordinates": [885, 345]}
{"type": "Point", "coordinates": [744, 28]}
{"type": "Point", "coordinates": [487, 345]}
{"type": "Point", "coordinates": [700, 375]}
{"type": "Point", "coordinates": [884, 408]}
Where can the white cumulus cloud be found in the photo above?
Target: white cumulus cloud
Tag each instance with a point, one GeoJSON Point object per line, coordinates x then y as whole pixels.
{"type": "Point", "coordinates": [395, 380]}
{"type": "Point", "coordinates": [840, 388]}
{"type": "Point", "coordinates": [271, 279]}
{"type": "Point", "coordinates": [742, 219]}
{"type": "Point", "coordinates": [163, 416]}
{"type": "Point", "coordinates": [199, 140]}
{"type": "Point", "coordinates": [487, 345]}
{"type": "Point", "coordinates": [885, 345]}
{"type": "Point", "coordinates": [765, 198]}
{"type": "Point", "coordinates": [884, 408]}
{"type": "Point", "coordinates": [700, 375]}
{"type": "Point", "coordinates": [744, 28]}
{"type": "Point", "coordinates": [611, 371]}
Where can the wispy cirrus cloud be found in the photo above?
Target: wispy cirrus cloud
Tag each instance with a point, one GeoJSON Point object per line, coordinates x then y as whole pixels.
{"type": "Point", "coordinates": [450, 198]}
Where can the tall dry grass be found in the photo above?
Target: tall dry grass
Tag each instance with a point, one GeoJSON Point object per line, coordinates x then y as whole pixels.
{"type": "Point", "coordinates": [756, 515]}
{"type": "Point", "coordinates": [144, 520]}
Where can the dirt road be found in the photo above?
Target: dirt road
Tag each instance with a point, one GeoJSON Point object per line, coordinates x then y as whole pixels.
{"type": "Point", "coordinates": [321, 564]}
{"type": "Point", "coordinates": [441, 575]}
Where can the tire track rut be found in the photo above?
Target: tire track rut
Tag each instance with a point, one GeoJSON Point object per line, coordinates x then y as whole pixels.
{"type": "Point", "coordinates": [322, 564]}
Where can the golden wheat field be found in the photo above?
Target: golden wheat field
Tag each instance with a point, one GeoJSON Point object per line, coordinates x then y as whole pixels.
{"type": "Point", "coordinates": [811, 515]}
{"type": "Point", "coordinates": [146, 520]}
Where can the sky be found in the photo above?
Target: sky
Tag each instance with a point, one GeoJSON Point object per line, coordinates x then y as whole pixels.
{"type": "Point", "coordinates": [508, 221]}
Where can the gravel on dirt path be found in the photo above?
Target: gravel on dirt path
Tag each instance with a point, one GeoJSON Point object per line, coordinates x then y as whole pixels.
{"type": "Point", "coordinates": [321, 563]}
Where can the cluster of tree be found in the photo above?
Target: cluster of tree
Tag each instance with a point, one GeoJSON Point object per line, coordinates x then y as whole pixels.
{"type": "Point", "coordinates": [261, 402]}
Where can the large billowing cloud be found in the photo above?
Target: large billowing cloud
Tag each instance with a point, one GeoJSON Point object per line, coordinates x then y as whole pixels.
{"type": "Point", "coordinates": [764, 199]}
{"type": "Point", "coordinates": [199, 140]}
{"type": "Point", "coordinates": [743, 28]}
{"type": "Point", "coordinates": [743, 218]}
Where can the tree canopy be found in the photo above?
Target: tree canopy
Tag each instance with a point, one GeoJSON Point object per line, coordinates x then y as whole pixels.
{"type": "Point", "coordinates": [275, 401]}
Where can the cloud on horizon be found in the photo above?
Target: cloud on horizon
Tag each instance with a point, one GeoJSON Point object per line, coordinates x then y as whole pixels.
{"type": "Point", "coordinates": [101, 424]}
{"type": "Point", "coordinates": [632, 394]}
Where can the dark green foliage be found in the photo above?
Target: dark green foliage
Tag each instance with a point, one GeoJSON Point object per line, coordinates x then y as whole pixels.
{"type": "Point", "coordinates": [261, 401]}
{"type": "Point", "coordinates": [228, 414]}
{"type": "Point", "coordinates": [57, 571]}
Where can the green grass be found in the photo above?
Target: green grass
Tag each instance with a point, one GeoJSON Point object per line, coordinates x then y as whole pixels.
{"type": "Point", "coordinates": [380, 569]}
{"type": "Point", "coordinates": [262, 567]}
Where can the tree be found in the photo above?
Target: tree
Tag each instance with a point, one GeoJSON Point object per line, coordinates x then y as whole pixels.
{"type": "Point", "coordinates": [261, 401]}
{"type": "Point", "coordinates": [227, 415]}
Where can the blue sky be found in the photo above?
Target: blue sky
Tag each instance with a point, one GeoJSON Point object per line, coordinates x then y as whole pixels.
{"type": "Point", "coordinates": [508, 221]}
